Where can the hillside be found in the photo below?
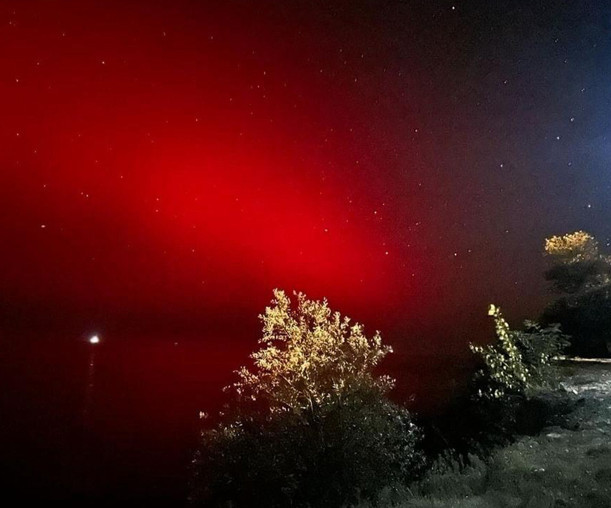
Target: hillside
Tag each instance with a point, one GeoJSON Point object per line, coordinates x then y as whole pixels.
{"type": "Point", "coordinates": [566, 465]}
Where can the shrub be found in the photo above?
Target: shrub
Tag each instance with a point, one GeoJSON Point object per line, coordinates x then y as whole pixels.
{"type": "Point", "coordinates": [579, 271]}
{"type": "Point", "coordinates": [311, 424]}
{"type": "Point", "coordinates": [503, 369]}
{"type": "Point", "coordinates": [497, 404]}
{"type": "Point", "coordinates": [311, 357]}
{"type": "Point", "coordinates": [540, 346]}
{"type": "Point", "coordinates": [519, 361]}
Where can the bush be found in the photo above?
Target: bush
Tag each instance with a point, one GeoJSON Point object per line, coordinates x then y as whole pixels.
{"type": "Point", "coordinates": [583, 275]}
{"type": "Point", "coordinates": [497, 403]}
{"type": "Point", "coordinates": [540, 346]}
{"type": "Point", "coordinates": [311, 357]}
{"type": "Point", "coordinates": [311, 424]}
{"type": "Point", "coordinates": [353, 452]}
{"type": "Point", "coordinates": [519, 361]}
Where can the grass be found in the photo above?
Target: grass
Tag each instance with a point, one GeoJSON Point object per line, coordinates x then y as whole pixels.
{"type": "Point", "coordinates": [567, 465]}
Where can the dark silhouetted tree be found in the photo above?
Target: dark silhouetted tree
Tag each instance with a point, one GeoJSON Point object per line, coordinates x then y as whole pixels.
{"type": "Point", "coordinates": [582, 275]}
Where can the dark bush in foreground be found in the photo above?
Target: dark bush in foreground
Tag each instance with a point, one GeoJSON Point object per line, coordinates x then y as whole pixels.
{"type": "Point", "coordinates": [350, 453]}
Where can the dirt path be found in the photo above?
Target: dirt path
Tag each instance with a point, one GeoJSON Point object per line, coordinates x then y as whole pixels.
{"type": "Point", "coordinates": [567, 465]}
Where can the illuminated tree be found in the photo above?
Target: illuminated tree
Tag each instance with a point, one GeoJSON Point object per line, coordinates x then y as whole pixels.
{"type": "Point", "coordinates": [311, 357]}
{"type": "Point", "coordinates": [575, 263]}
{"type": "Point", "coordinates": [312, 425]}
{"type": "Point", "coordinates": [572, 247]}
{"type": "Point", "coordinates": [518, 361]}
{"type": "Point", "coordinates": [583, 274]}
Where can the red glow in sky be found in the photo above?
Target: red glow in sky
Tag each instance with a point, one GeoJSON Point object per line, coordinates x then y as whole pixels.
{"type": "Point", "coordinates": [184, 161]}
{"type": "Point", "coordinates": [168, 165]}
{"type": "Point", "coordinates": [164, 165]}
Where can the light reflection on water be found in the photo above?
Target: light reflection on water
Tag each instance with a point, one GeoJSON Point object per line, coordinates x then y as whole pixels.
{"type": "Point", "coordinates": [125, 428]}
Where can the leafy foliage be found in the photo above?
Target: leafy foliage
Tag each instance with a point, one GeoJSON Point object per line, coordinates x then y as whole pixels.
{"type": "Point", "coordinates": [311, 357]}
{"type": "Point", "coordinates": [539, 346]}
{"type": "Point", "coordinates": [502, 400]}
{"type": "Point", "coordinates": [353, 452]}
{"type": "Point", "coordinates": [519, 361]}
{"type": "Point", "coordinates": [578, 276]}
{"type": "Point", "coordinates": [312, 425]}
{"type": "Point", "coordinates": [583, 274]}
{"type": "Point", "coordinates": [572, 247]}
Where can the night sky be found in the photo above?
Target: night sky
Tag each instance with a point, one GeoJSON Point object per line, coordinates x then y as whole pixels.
{"type": "Point", "coordinates": [165, 165]}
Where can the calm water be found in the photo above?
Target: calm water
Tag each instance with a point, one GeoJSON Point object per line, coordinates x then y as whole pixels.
{"type": "Point", "coordinates": [129, 435]}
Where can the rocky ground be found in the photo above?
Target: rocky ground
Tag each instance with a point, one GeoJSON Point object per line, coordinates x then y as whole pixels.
{"type": "Point", "coordinates": [567, 465]}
